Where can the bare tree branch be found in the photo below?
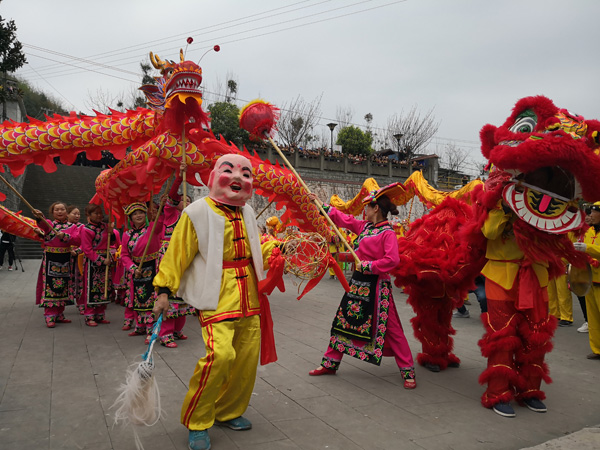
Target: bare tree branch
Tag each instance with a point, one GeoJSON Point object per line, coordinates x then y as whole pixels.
{"type": "Point", "coordinates": [344, 115]}
{"type": "Point", "coordinates": [298, 118]}
{"type": "Point", "coordinates": [453, 157]}
{"type": "Point", "coordinates": [416, 131]}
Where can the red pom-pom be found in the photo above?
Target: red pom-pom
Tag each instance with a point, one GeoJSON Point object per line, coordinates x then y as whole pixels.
{"type": "Point", "coordinates": [217, 48]}
{"type": "Point", "coordinates": [259, 119]}
{"type": "Point", "coordinates": [190, 40]}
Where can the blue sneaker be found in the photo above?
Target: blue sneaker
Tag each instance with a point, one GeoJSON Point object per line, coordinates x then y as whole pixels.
{"type": "Point", "coordinates": [535, 405]}
{"type": "Point", "coordinates": [504, 409]}
{"type": "Point", "coordinates": [237, 424]}
{"type": "Point", "coordinates": [199, 440]}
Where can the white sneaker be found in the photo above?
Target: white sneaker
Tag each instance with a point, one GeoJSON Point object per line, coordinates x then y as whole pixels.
{"type": "Point", "coordinates": [10, 268]}
{"type": "Point", "coordinates": [583, 328]}
{"type": "Point", "coordinates": [464, 315]}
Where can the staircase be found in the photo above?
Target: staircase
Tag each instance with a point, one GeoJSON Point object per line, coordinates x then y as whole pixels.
{"type": "Point", "coordinates": [74, 185]}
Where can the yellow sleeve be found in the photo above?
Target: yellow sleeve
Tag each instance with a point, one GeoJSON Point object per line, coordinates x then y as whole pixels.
{"type": "Point", "coordinates": [267, 249]}
{"type": "Point", "coordinates": [182, 249]}
{"type": "Point", "coordinates": [494, 224]}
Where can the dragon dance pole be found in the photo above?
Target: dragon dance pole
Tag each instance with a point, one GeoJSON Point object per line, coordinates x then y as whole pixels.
{"type": "Point", "coordinates": [184, 159]}
{"type": "Point", "coordinates": [301, 181]}
{"type": "Point", "coordinates": [160, 209]}
{"type": "Point", "coordinates": [106, 269]}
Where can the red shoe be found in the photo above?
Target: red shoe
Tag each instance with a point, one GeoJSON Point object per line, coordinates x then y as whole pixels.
{"type": "Point", "coordinates": [410, 383]}
{"type": "Point", "coordinates": [63, 320]}
{"type": "Point", "coordinates": [180, 336]}
{"type": "Point", "coordinates": [147, 340]}
{"type": "Point", "coordinates": [50, 322]}
{"type": "Point", "coordinates": [103, 321]}
{"type": "Point", "coordinates": [135, 333]}
{"type": "Point", "coordinates": [169, 344]}
{"type": "Point", "coordinates": [321, 371]}
{"type": "Point", "coordinates": [90, 323]}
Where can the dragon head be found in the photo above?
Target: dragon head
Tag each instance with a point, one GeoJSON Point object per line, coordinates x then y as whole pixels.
{"type": "Point", "coordinates": [550, 157]}
{"type": "Point", "coordinates": [176, 96]}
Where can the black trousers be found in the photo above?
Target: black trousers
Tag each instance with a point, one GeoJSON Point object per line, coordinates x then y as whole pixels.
{"type": "Point", "coordinates": [4, 246]}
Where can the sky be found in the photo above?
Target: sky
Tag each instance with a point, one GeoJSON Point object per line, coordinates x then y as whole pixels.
{"type": "Point", "coordinates": [468, 61]}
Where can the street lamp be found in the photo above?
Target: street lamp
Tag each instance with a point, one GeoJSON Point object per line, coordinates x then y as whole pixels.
{"type": "Point", "coordinates": [331, 127]}
{"type": "Point", "coordinates": [398, 137]}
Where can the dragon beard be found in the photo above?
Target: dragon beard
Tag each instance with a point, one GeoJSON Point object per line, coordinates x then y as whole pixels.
{"type": "Point", "coordinates": [180, 109]}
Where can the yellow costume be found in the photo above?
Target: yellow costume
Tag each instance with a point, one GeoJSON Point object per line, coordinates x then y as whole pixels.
{"type": "Point", "coordinates": [223, 380]}
{"type": "Point", "coordinates": [592, 299]}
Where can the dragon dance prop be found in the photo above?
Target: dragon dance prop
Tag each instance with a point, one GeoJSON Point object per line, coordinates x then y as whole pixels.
{"type": "Point", "coordinates": [18, 225]}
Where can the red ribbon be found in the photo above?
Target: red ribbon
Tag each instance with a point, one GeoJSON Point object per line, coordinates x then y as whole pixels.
{"type": "Point", "coordinates": [331, 262]}
{"type": "Point", "coordinates": [268, 352]}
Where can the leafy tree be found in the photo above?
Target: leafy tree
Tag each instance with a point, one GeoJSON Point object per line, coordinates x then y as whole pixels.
{"type": "Point", "coordinates": [224, 119]}
{"type": "Point", "coordinates": [354, 141]}
{"type": "Point", "coordinates": [12, 57]}
{"type": "Point", "coordinates": [37, 103]}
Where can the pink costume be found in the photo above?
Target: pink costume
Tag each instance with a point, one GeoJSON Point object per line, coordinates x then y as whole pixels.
{"type": "Point", "coordinates": [93, 244]}
{"type": "Point", "coordinates": [76, 275]}
{"type": "Point", "coordinates": [55, 288]}
{"type": "Point", "coordinates": [174, 320]}
{"type": "Point", "coordinates": [366, 324]}
{"type": "Point", "coordinates": [141, 292]}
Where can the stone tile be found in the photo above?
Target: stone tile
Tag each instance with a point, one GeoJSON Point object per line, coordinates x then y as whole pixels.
{"type": "Point", "coordinates": [313, 434]}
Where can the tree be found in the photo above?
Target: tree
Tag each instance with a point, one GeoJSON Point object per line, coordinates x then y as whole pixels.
{"type": "Point", "coordinates": [298, 118]}
{"type": "Point", "coordinates": [139, 100]}
{"type": "Point", "coordinates": [453, 157]}
{"type": "Point", "coordinates": [224, 121]}
{"type": "Point", "coordinates": [12, 57]}
{"type": "Point", "coordinates": [37, 103]}
{"type": "Point", "coordinates": [354, 141]}
{"type": "Point", "coordinates": [416, 131]}
{"type": "Point", "coordinates": [232, 88]}
{"type": "Point", "coordinates": [344, 115]}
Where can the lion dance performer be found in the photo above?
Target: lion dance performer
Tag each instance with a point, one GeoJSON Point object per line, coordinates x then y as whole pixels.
{"type": "Point", "coordinates": [214, 261]}
{"type": "Point", "coordinates": [525, 210]}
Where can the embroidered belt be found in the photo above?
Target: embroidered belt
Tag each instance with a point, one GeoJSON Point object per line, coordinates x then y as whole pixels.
{"type": "Point", "coordinates": [236, 264]}
{"type": "Point", "coordinates": [149, 257]}
{"type": "Point", "coordinates": [58, 249]}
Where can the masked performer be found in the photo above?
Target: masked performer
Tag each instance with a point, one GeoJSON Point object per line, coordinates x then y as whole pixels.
{"type": "Point", "coordinates": [94, 241]}
{"type": "Point", "coordinates": [366, 324]}
{"type": "Point", "coordinates": [214, 261]}
{"type": "Point", "coordinates": [55, 288]}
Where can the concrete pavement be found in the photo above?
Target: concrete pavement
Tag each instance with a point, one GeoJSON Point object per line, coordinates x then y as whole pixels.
{"type": "Point", "coordinates": [57, 385]}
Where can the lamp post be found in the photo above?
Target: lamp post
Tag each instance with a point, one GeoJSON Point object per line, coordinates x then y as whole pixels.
{"type": "Point", "coordinates": [398, 136]}
{"type": "Point", "coordinates": [331, 127]}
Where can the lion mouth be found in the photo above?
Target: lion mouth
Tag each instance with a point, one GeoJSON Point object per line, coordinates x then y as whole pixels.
{"type": "Point", "coordinates": [553, 181]}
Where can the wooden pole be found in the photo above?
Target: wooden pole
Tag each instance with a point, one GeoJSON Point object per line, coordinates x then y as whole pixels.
{"type": "Point", "coordinates": [106, 269]}
{"type": "Point", "coordinates": [160, 208]}
{"type": "Point", "coordinates": [184, 160]}
{"type": "Point", "coordinates": [335, 228]}
{"type": "Point", "coordinates": [263, 210]}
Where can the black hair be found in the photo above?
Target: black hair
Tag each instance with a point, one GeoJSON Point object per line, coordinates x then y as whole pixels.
{"type": "Point", "coordinates": [386, 206]}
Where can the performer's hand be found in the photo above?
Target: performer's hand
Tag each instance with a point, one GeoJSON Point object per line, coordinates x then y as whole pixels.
{"type": "Point", "coordinates": [580, 246]}
{"type": "Point", "coordinates": [137, 273]}
{"type": "Point", "coordinates": [161, 305]}
{"type": "Point", "coordinates": [106, 261]}
{"type": "Point", "coordinates": [38, 214]}
{"type": "Point", "coordinates": [313, 198]}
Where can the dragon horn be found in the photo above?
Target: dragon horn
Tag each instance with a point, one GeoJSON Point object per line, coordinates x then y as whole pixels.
{"type": "Point", "coordinates": [181, 56]}
{"type": "Point", "coordinates": [156, 61]}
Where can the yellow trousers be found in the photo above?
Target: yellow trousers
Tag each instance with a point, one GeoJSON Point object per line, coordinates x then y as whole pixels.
{"type": "Point", "coordinates": [560, 300]}
{"type": "Point", "coordinates": [223, 380]}
{"type": "Point", "coordinates": [592, 303]}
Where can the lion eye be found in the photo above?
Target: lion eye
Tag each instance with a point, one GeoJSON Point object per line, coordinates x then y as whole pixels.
{"type": "Point", "coordinates": [524, 125]}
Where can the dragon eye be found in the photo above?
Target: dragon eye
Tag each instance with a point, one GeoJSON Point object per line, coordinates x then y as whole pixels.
{"type": "Point", "coordinates": [524, 125]}
{"type": "Point", "coordinates": [167, 72]}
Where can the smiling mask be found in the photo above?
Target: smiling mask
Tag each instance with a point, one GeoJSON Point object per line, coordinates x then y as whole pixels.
{"type": "Point", "coordinates": [230, 181]}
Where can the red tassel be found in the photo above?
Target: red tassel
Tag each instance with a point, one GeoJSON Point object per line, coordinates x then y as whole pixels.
{"type": "Point", "coordinates": [268, 353]}
{"type": "Point", "coordinates": [338, 272]}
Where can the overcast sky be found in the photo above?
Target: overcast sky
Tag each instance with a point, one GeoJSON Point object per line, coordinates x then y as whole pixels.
{"type": "Point", "coordinates": [469, 61]}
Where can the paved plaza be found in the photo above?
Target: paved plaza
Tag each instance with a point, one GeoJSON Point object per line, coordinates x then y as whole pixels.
{"type": "Point", "coordinates": [57, 386]}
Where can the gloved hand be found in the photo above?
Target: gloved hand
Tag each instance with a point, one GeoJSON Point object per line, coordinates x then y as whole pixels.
{"type": "Point", "coordinates": [580, 246]}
